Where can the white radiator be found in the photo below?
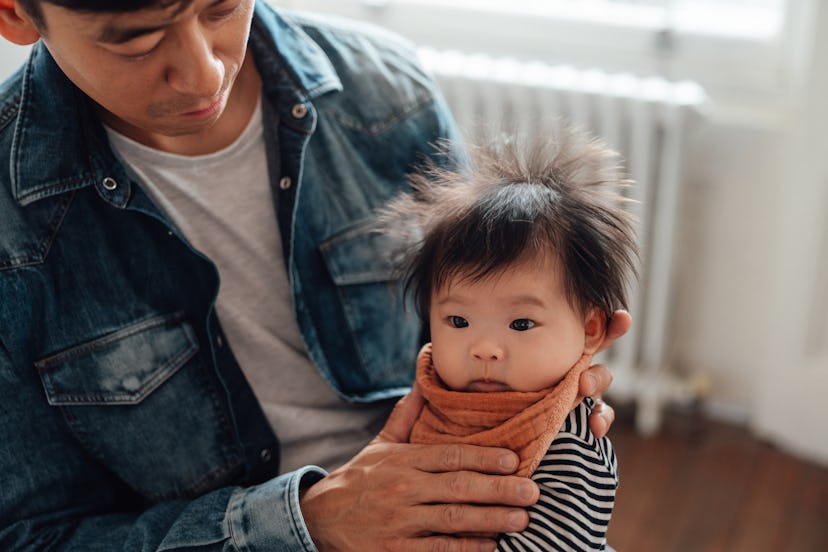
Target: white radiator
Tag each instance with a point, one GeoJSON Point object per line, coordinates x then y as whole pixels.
{"type": "Point", "coordinates": [647, 121]}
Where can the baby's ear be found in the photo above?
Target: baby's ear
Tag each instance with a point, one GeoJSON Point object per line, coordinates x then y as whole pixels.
{"type": "Point", "coordinates": [595, 326]}
{"type": "Point", "coordinates": [15, 25]}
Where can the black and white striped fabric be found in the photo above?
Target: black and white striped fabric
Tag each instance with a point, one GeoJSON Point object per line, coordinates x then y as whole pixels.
{"type": "Point", "coordinates": [577, 477]}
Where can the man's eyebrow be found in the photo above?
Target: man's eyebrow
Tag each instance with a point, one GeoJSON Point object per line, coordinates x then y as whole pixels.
{"type": "Point", "coordinates": [112, 34]}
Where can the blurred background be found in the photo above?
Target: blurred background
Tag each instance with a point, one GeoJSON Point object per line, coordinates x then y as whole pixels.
{"type": "Point", "coordinates": [719, 109]}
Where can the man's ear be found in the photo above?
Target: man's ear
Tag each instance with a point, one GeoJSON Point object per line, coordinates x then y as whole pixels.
{"type": "Point", "coordinates": [15, 24]}
{"type": "Point", "coordinates": [595, 327]}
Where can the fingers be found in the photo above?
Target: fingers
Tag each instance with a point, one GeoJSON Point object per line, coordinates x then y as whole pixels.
{"type": "Point", "coordinates": [384, 499]}
{"type": "Point", "coordinates": [453, 458]}
{"type": "Point", "coordinates": [398, 427]}
{"type": "Point", "coordinates": [455, 519]}
{"type": "Point", "coordinates": [602, 417]}
{"type": "Point", "coordinates": [594, 381]}
{"type": "Point", "coordinates": [475, 488]}
{"type": "Point", "coordinates": [449, 544]}
{"type": "Point", "coordinates": [619, 324]}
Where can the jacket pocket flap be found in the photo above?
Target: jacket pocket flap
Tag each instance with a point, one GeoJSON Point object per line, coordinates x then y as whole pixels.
{"type": "Point", "coordinates": [120, 368]}
{"type": "Point", "coordinates": [362, 255]}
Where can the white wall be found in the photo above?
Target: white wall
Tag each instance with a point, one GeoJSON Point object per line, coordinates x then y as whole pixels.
{"type": "Point", "coordinates": [725, 275]}
{"type": "Point", "coordinates": [11, 56]}
{"type": "Point", "coordinates": [789, 405]}
{"type": "Point", "coordinates": [754, 255]}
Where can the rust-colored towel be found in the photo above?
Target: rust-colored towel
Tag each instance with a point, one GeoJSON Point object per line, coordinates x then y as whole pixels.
{"type": "Point", "coordinates": [525, 422]}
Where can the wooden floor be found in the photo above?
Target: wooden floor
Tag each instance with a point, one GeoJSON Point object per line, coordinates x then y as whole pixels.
{"type": "Point", "coordinates": [707, 486]}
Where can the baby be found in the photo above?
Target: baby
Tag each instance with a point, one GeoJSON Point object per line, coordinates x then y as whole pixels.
{"type": "Point", "coordinates": [518, 261]}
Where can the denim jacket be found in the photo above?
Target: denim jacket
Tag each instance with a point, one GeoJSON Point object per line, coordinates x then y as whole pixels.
{"type": "Point", "coordinates": [125, 422]}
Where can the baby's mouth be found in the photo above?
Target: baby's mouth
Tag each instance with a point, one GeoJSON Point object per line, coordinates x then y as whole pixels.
{"type": "Point", "coordinates": [488, 386]}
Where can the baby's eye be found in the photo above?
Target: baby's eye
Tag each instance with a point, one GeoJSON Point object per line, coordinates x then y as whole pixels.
{"type": "Point", "coordinates": [522, 324]}
{"type": "Point", "coordinates": [458, 322]}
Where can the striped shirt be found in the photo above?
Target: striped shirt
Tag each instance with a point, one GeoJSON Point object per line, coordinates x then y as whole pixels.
{"type": "Point", "coordinates": [577, 479]}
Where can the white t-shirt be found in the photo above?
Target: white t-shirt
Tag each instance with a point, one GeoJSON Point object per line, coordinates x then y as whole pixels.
{"type": "Point", "coordinates": [223, 204]}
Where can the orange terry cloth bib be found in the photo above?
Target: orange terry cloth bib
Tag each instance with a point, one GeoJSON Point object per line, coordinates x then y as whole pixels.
{"type": "Point", "coordinates": [525, 422]}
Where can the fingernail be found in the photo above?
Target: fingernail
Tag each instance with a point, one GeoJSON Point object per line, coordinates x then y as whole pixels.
{"type": "Point", "coordinates": [508, 461]}
{"type": "Point", "coordinates": [526, 490]}
{"type": "Point", "coordinates": [516, 520]}
{"type": "Point", "coordinates": [593, 384]}
{"type": "Point", "coordinates": [488, 547]}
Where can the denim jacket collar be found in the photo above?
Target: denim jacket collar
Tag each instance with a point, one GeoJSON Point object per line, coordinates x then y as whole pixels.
{"type": "Point", "coordinates": [304, 70]}
{"type": "Point", "coordinates": [40, 168]}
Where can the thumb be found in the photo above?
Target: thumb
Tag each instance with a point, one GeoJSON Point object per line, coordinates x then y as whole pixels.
{"type": "Point", "coordinates": [398, 427]}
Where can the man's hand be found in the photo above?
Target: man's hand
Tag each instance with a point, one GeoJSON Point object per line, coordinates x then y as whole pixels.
{"type": "Point", "coordinates": [596, 379]}
{"type": "Point", "coordinates": [399, 496]}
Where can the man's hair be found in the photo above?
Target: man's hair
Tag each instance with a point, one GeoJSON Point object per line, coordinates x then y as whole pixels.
{"type": "Point", "coordinates": [512, 203]}
{"type": "Point", "coordinates": [32, 7]}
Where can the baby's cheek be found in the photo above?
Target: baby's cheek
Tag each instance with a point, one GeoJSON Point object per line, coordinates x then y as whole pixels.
{"type": "Point", "coordinates": [447, 368]}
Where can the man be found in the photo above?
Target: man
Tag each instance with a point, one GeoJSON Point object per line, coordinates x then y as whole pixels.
{"type": "Point", "coordinates": [180, 177]}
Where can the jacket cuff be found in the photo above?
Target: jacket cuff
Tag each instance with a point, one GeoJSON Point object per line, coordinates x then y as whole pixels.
{"type": "Point", "coordinates": [267, 517]}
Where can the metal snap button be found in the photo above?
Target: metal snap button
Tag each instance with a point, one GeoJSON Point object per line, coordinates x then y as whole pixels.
{"type": "Point", "coordinates": [265, 455]}
{"type": "Point", "coordinates": [285, 182]}
{"type": "Point", "coordinates": [299, 111]}
{"type": "Point", "coordinates": [109, 183]}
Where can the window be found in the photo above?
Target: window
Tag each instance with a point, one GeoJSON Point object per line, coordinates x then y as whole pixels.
{"type": "Point", "coordinates": [750, 18]}
{"type": "Point", "coordinates": [747, 54]}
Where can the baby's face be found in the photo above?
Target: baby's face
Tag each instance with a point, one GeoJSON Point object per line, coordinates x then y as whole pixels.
{"type": "Point", "coordinates": [514, 331]}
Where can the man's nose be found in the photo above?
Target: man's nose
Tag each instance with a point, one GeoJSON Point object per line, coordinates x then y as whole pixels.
{"type": "Point", "coordinates": [194, 69]}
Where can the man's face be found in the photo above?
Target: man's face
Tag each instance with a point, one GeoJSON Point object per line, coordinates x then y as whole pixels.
{"type": "Point", "coordinates": [157, 74]}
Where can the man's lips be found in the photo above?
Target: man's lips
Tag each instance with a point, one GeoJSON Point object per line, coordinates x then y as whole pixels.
{"type": "Point", "coordinates": [206, 110]}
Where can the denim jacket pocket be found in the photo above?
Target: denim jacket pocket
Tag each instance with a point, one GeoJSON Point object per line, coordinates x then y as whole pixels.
{"type": "Point", "coordinates": [108, 370]}
{"type": "Point", "coordinates": [129, 397]}
{"type": "Point", "coordinates": [386, 330]}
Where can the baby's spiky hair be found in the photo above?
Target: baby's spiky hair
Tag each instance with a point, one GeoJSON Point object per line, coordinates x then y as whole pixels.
{"type": "Point", "coordinates": [514, 201]}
